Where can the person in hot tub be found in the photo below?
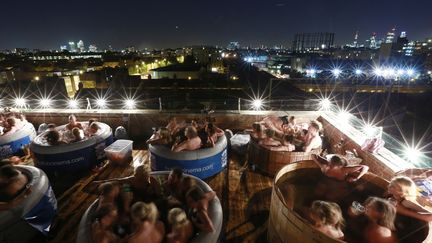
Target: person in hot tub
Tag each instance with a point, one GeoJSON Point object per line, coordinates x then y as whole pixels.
{"type": "Point", "coordinates": [193, 141]}
{"type": "Point", "coordinates": [53, 138]}
{"type": "Point", "coordinates": [278, 124]}
{"type": "Point", "coordinates": [213, 134]}
{"type": "Point", "coordinates": [312, 139]}
{"type": "Point", "coordinates": [93, 129]}
{"type": "Point", "coordinates": [160, 137]}
{"type": "Point", "coordinates": [13, 187]}
{"type": "Point", "coordinates": [11, 126]}
{"type": "Point", "coordinates": [73, 123]}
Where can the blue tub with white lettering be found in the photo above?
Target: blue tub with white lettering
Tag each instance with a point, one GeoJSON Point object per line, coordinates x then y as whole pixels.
{"type": "Point", "coordinates": [202, 163]}
{"type": "Point", "coordinates": [34, 214]}
{"type": "Point", "coordinates": [82, 155]}
{"type": "Point", "coordinates": [12, 144]}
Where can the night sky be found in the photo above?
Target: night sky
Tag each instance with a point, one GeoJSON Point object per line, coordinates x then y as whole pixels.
{"type": "Point", "coordinates": [48, 24]}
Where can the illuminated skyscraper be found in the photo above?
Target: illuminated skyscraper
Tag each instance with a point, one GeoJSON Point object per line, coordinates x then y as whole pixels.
{"type": "Point", "coordinates": [355, 43]}
{"type": "Point", "coordinates": [390, 37]}
{"type": "Point", "coordinates": [80, 46]}
{"type": "Point", "coordinates": [72, 46]}
{"type": "Point", "coordinates": [372, 41]}
{"type": "Point", "coordinates": [92, 48]}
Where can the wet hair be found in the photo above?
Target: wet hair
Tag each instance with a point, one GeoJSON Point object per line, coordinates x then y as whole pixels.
{"type": "Point", "coordinates": [269, 133]}
{"type": "Point", "coordinates": [77, 133]}
{"type": "Point", "coordinates": [11, 121]}
{"type": "Point", "coordinates": [91, 120]}
{"type": "Point", "coordinates": [211, 129]}
{"type": "Point", "coordinates": [316, 124]}
{"type": "Point", "coordinates": [143, 170]}
{"type": "Point", "coordinates": [177, 217]}
{"type": "Point", "coordinates": [105, 210]}
{"type": "Point", "coordinates": [52, 137]}
{"type": "Point", "coordinates": [106, 188]}
{"type": "Point", "coordinates": [289, 138]}
{"type": "Point", "coordinates": [165, 133]}
{"type": "Point", "coordinates": [144, 212]}
{"type": "Point", "coordinates": [284, 119]}
{"type": "Point", "coordinates": [328, 212]}
{"type": "Point", "coordinates": [94, 126]}
{"type": "Point", "coordinates": [8, 172]}
{"type": "Point", "coordinates": [196, 193]}
{"type": "Point", "coordinates": [257, 126]}
{"type": "Point", "coordinates": [191, 132]}
{"type": "Point", "coordinates": [409, 189]}
{"type": "Point", "coordinates": [386, 209]}
{"type": "Point", "coordinates": [51, 126]}
{"type": "Point", "coordinates": [292, 118]}
{"type": "Point", "coordinates": [178, 172]}
{"type": "Point", "coordinates": [71, 116]}
{"type": "Point", "coordinates": [338, 161]}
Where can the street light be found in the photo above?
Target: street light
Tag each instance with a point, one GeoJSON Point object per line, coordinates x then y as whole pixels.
{"type": "Point", "coordinates": [336, 72]}
{"type": "Point", "coordinates": [101, 103]}
{"type": "Point", "coordinates": [45, 102]}
{"type": "Point", "coordinates": [73, 104]}
{"type": "Point", "coordinates": [325, 104]}
{"type": "Point", "coordinates": [257, 104]}
{"type": "Point", "coordinates": [358, 72]}
{"type": "Point", "coordinates": [129, 103]}
{"type": "Point", "coordinates": [412, 154]}
{"type": "Point", "coordinates": [20, 102]}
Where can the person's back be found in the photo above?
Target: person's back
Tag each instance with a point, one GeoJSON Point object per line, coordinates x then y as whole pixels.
{"type": "Point", "coordinates": [375, 233]}
{"type": "Point", "coordinates": [149, 233]}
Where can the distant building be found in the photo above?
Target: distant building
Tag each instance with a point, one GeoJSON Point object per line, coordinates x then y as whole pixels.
{"type": "Point", "coordinates": [80, 46]}
{"type": "Point", "coordinates": [373, 42]}
{"type": "Point", "coordinates": [21, 51]}
{"type": "Point", "coordinates": [92, 48]}
{"type": "Point", "coordinates": [72, 46]}
{"type": "Point", "coordinates": [177, 71]}
{"type": "Point", "coordinates": [390, 37]}
{"type": "Point", "coordinates": [63, 48]}
{"type": "Point", "coordinates": [312, 42]}
{"type": "Point", "coordinates": [409, 48]}
{"type": "Point", "coordinates": [233, 45]}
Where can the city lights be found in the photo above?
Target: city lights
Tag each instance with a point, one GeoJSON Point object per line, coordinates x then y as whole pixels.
{"type": "Point", "coordinates": [73, 104]}
{"type": "Point", "coordinates": [129, 103]}
{"type": "Point", "coordinates": [101, 103]}
{"type": "Point", "coordinates": [410, 72]}
{"type": "Point", "coordinates": [257, 104]}
{"type": "Point", "coordinates": [336, 72]}
{"type": "Point", "coordinates": [20, 102]}
{"type": "Point", "coordinates": [344, 116]}
{"type": "Point", "coordinates": [369, 130]}
{"type": "Point", "coordinates": [325, 104]}
{"type": "Point", "coordinates": [45, 103]}
{"type": "Point", "coordinates": [412, 154]}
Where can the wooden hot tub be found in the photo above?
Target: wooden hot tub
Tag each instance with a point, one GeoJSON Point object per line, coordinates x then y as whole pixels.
{"type": "Point", "coordinates": [295, 180]}
{"type": "Point", "coordinates": [271, 162]}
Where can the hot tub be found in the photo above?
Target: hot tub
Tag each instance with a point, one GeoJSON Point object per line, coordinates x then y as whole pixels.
{"type": "Point", "coordinates": [82, 155]}
{"type": "Point", "coordinates": [270, 162]}
{"type": "Point", "coordinates": [215, 213]}
{"type": "Point", "coordinates": [202, 163]}
{"type": "Point", "coordinates": [12, 144]}
{"type": "Point", "coordinates": [34, 214]}
{"type": "Point", "coordinates": [291, 188]}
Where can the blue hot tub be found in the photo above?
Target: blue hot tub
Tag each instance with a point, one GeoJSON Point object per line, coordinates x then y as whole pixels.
{"type": "Point", "coordinates": [12, 144]}
{"type": "Point", "coordinates": [33, 214]}
{"type": "Point", "coordinates": [82, 155]}
{"type": "Point", "coordinates": [202, 163]}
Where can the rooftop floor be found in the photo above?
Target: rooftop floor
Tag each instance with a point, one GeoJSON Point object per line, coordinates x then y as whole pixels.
{"type": "Point", "coordinates": [244, 194]}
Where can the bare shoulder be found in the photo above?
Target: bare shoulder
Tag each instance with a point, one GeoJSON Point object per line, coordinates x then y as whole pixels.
{"type": "Point", "coordinates": [380, 234]}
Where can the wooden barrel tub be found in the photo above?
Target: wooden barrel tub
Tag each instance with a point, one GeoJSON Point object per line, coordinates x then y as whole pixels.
{"type": "Point", "coordinates": [271, 162]}
{"type": "Point", "coordinates": [293, 181]}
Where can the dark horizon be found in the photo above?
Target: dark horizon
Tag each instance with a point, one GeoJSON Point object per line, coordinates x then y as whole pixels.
{"type": "Point", "coordinates": [48, 25]}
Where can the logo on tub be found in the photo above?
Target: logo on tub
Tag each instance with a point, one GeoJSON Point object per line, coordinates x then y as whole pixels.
{"type": "Point", "coordinates": [5, 150]}
{"type": "Point", "coordinates": [224, 158]}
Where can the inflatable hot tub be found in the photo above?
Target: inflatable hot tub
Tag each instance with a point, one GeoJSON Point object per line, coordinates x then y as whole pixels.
{"type": "Point", "coordinates": [12, 144]}
{"type": "Point", "coordinates": [202, 163]}
{"type": "Point", "coordinates": [34, 214]}
{"type": "Point", "coordinates": [293, 190]}
{"type": "Point", "coordinates": [82, 155]}
{"type": "Point", "coordinates": [215, 214]}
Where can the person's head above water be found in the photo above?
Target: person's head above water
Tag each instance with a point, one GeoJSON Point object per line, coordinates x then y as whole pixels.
{"type": "Point", "coordinates": [314, 127]}
{"type": "Point", "coordinates": [402, 187]}
{"type": "Point", "coordinates": [142, 212]}
{"type": "Point", "coordinates": [327, 213]}
{"type": "Point", "coordinates": [191, 132]}
{"type": "Point", "coordinates": [52, 137]}
{"type": "Point", "coordinates": [336, 161]}
{"type": "Point", "coordinates": [72, 119]}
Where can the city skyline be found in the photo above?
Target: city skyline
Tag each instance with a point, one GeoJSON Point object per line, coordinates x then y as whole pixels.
{"type": "Point", "coordinates": [174, 24]}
